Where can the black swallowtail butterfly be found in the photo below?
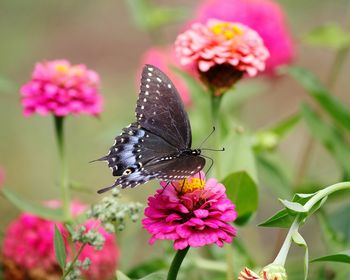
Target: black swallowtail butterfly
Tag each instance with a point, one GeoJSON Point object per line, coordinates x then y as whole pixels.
{"type": "Point", "coordinates": [158, 144]}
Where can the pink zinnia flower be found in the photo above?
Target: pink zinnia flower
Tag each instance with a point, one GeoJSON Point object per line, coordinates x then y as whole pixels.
{"type": "Point", "coordinates": [60, 88]}
{"type": "Point", "coordinates": [265, 16]}
{"type": "Point", "coordinates": [163, 58]}
{"type": "Point", "coordinates": [28, 247]}
{"type": "Point", "coordinates": [222, 52]}
{"type": "Point", "coordinates": [191, 212]}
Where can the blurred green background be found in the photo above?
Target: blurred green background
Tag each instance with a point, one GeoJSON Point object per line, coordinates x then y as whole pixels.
{"type": "Point", "coordinates": [102, 35]}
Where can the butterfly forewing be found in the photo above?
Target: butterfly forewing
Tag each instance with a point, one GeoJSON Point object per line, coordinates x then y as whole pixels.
{"type": "Point", "coordinates": [160, 109]}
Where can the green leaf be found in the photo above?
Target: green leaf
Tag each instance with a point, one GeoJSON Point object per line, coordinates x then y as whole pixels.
{"type": "Point", "coordinates": [341, 257]}
{"type": "Point", "coordinates": [155, 276]}
{"type": "Point", "coordinates": [273, 176]}
{"type": "Point", "coordinates": [282, 219]}
{"type": "Point", "coordinates": [240, 94]}
{"type": "Point", "coordinates": [60, 249]}
{"type": "Point", "coordinates": [238, 155]}
{"type": "Point", "coordinates": [298, 239]}
{"type": "Point", "coordinates": [333, 239]}
{"type": "Point", "coordinates": [336, 108]}
{"type": "Point", "coordinates": [148, 267]}
{"type": "Point", "coordinates": [269, 138]}
{"type": "Point", "coordinates": [242, 191]}
{"type": "Point", "coordinates": [305, 195]}
{"type": "Point", "coordinates": [339, 220]}
{"type": "Point", "coordinates": [121, 276]}
{"type": "Point", "coordinates": [330, 35]}
{"type": "Point", "coordinates": [196, 89]}
{"type": "Point", "coordinates": [37, 209]}
{"type": "Point", "coordinates": [329, 137]}
{"type": "Point", "coordinates": [286, 125]}
{"type": "Point", "coordinates": [294, 206]}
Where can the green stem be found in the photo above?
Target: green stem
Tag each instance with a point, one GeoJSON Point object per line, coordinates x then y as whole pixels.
{"type": "Point", "coordinates": [64, 182]}
{"type": "Point", "coordinates": [215, 103]}
{"type": "Point", "coordinates": [176, 263]}
{"type": "Point", "coordinates": [282, 255]}
{"type": "Point", "coordinates": [325, 192]}
{"type": "Point", "coordinates": [70, 268]}
{"type": "Point", "coordinates": [215, 106]}
{"type": "Point", "coordinates": [229, 262]}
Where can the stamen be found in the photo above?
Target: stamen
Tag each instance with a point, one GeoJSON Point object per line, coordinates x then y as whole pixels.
{"type": "Point", "coordinates": [191, 184]}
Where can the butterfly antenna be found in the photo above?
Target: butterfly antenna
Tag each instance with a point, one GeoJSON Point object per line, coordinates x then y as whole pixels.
{"type": "Point", "coordinates": [214, 150]}
{"type": "Point", "coordinates": [207, 137]}
{"type": "Point", "coordinates": [211, 164]}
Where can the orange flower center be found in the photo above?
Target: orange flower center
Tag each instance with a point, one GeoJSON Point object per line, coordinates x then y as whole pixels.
{"type": "Point", "coordinates": [226, 29]}
{"type": "Point", "coordinates": [191, 184]}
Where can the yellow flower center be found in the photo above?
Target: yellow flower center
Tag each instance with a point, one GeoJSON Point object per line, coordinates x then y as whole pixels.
{"type": "Point", "coordinates": [191, 184]}
{"type": "Point", "coordinates": [227, 29]}
{"type": "Point", "coordinates": [62, 68]}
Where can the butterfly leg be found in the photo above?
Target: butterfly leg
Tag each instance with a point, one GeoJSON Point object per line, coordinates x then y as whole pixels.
{"type": "Point", "coordinates": [167, 184]}
{"type": "Point", "coordinates": [183, 184]}
{"type": "Point", "coordinates": [211, 164]}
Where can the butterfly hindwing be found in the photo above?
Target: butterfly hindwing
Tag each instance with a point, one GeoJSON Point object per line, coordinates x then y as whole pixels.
{"type": "Point", "coordinates": [174, 168]}
{"type": "Point", "coordinates": [133, 149]}
{"type": "Point", "coordinates": [163, 168]}
{"type": "Point", "coordinates": [160, 109]}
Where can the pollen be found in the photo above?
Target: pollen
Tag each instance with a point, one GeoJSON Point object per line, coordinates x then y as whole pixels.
{"type": "Point", "coordinates": [226, 29]}
{"type": "Point", "coordinates": [191, 184]}
{"type": "Point", "coordinates": [62, 68]}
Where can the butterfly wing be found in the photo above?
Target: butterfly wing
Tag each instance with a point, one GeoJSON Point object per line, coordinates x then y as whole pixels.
{"type": "Point", "coordinates": [153, 147]}
{"type": "Point", "coordinates": [164, 168]}
{"type": "Point", "coordinates": [175, 168]}
{"type": "Point", "coordinates": [132, 150]}
{"type": "Point", "coordinates": [160, 109]}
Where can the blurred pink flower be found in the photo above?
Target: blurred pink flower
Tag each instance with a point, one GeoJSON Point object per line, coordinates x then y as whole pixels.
{"type": "Point", "coordinates": [60, 88]}
{"type": "Point", "coordinates": [191, 212]}
{"type": "Point", "coordinates": [222, 52]}
{"type": "Point", "coordinates": [265, 16]}
{"type": "Point", "coordinates": [163, 58]}
{"type": "Point", "coordinates": [28, 244]}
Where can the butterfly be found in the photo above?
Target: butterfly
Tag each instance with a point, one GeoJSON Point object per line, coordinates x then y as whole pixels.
{"type": "Point", "coordinates": [158, 144]}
